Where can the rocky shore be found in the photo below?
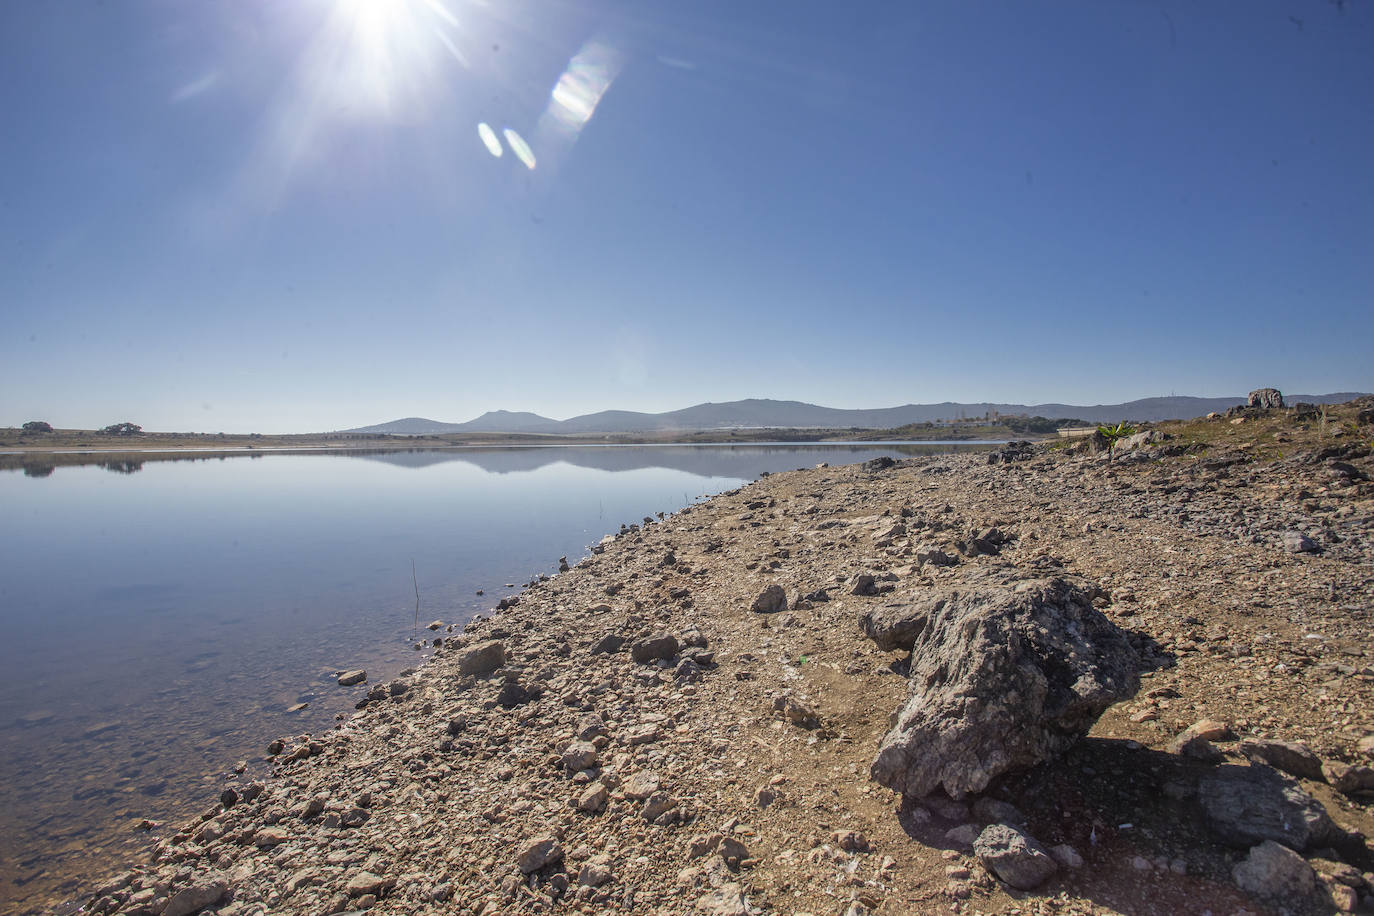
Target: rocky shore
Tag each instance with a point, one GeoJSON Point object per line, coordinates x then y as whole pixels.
{"type": "Point", "coordinates": [866, 689]}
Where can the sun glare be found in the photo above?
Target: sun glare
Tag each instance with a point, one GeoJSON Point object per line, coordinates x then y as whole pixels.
{"type": "Point", "coordinates": [381, 52]}
{"type": "Point", "coordinates": [378, 63]}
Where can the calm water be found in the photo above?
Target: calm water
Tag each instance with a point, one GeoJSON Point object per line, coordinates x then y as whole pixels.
{"type": "Point", "coordinates": [159, 620]}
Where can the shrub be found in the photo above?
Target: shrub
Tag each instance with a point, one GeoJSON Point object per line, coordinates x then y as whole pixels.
{"type": "Point", "coordinates": [1114, 434]}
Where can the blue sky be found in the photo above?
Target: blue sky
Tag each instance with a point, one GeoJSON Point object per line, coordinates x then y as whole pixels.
{"type": "Point", "coordinates": [280, 216]}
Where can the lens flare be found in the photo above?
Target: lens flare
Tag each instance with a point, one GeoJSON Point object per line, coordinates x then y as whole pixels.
{"type": "Point", "coordinates": [489, 139]}
{"type": "Point", "coordinates": [520, 148]}
{"type": "Point", "coordinates": [580, 88]}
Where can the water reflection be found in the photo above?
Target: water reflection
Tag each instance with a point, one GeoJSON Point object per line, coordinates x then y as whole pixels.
{"type": "Point", "coordinates": [122, 467]}
{"type": "Point", "coordinates": [745, 461]}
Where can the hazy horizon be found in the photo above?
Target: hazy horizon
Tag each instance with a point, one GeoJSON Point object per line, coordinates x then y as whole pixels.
{"type": "Point", "coordinates": [270, 217]}
{"type": "Point", "coordinates": [1238, 397]}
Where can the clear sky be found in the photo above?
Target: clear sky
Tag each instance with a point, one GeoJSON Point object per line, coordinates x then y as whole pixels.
{"type": "Point", "coordinates": [282, 215]}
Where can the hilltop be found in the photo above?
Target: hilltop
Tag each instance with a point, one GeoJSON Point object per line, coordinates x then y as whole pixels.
{"type": "Point", "coordinates": [756, 413]}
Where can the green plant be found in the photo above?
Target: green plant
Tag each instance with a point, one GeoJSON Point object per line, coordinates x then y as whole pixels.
{"type": "Point", "coordinates": [1113, 435]}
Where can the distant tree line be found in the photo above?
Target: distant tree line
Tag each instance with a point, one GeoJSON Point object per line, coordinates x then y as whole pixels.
{"type": "Point", "coordinates": [1039, 425]}
{"type": "Point", "coordinates": [114, 429]}
{"type": "Point", "coordinates": [1021, 425]}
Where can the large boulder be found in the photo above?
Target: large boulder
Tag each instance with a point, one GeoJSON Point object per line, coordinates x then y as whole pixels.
{"type": "Point", "coordinates": [1003, 676]}
{"type": "Point", "coordinates": [1248, 805]}
{"type": "Point", "coordinates": [1265, 397]}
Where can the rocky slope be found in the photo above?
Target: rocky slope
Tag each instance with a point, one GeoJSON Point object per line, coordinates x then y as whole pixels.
{"type": "Point", "coordinates": [685, 721]}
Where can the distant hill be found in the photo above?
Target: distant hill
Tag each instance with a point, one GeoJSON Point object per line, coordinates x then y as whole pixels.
{"type": "Point", "coordinates": [755, 413]}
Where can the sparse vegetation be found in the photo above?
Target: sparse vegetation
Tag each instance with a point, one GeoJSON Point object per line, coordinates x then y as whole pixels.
{"type": "Point", "coordinates": [1113, 435]}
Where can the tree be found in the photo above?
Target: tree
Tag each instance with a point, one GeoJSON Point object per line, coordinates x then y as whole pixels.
{"type": "Point", "coordinates": [37, 426]}
{"type": "Point", "coordinates": [121, 429]}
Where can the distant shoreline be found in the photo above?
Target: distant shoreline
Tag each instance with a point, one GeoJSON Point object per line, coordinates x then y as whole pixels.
{"type": "Point", "coordinates": [13, 442]}
{"type": "Point", "coordinates": [35, 461]}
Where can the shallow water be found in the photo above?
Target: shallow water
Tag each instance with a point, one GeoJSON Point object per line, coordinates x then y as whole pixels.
{"type": "Point", "coordinates": [159, 621]}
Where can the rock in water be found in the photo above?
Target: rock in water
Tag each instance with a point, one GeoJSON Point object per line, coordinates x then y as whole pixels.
{"type": "Point", "coordinates": [1002, 677]}
{"type": "Point", "coordinates": [1246, 805]}
{"type": "Point", "coordinates": [1265, 397]}
{"type": "Point", "coordinates": [1014, 856]}
{"type": "Point", "coordinates": [349, 678]}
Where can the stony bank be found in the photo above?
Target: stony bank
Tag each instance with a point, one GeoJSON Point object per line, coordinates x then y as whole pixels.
{"type": "Point", "coordinates": [688, 720]}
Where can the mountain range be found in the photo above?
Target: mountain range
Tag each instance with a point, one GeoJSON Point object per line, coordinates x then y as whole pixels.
{"type": "Point", "coordinates": [756, 413]}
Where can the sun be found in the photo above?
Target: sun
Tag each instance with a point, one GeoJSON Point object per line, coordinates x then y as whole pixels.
{"type": "Point", "coordinates": [384, 51]}
{"type": "Point", "coordinates": [375, 21]}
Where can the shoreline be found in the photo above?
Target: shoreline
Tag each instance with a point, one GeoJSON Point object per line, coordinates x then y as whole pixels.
{"type": "Point", "coordinates": [432, 793]}
{"type": "Point", "coordinates": [330, 449]}
{"type": "Point", "coordinates": [17, 445]}
{"type": "Point", "coordinates": [42, 463]}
